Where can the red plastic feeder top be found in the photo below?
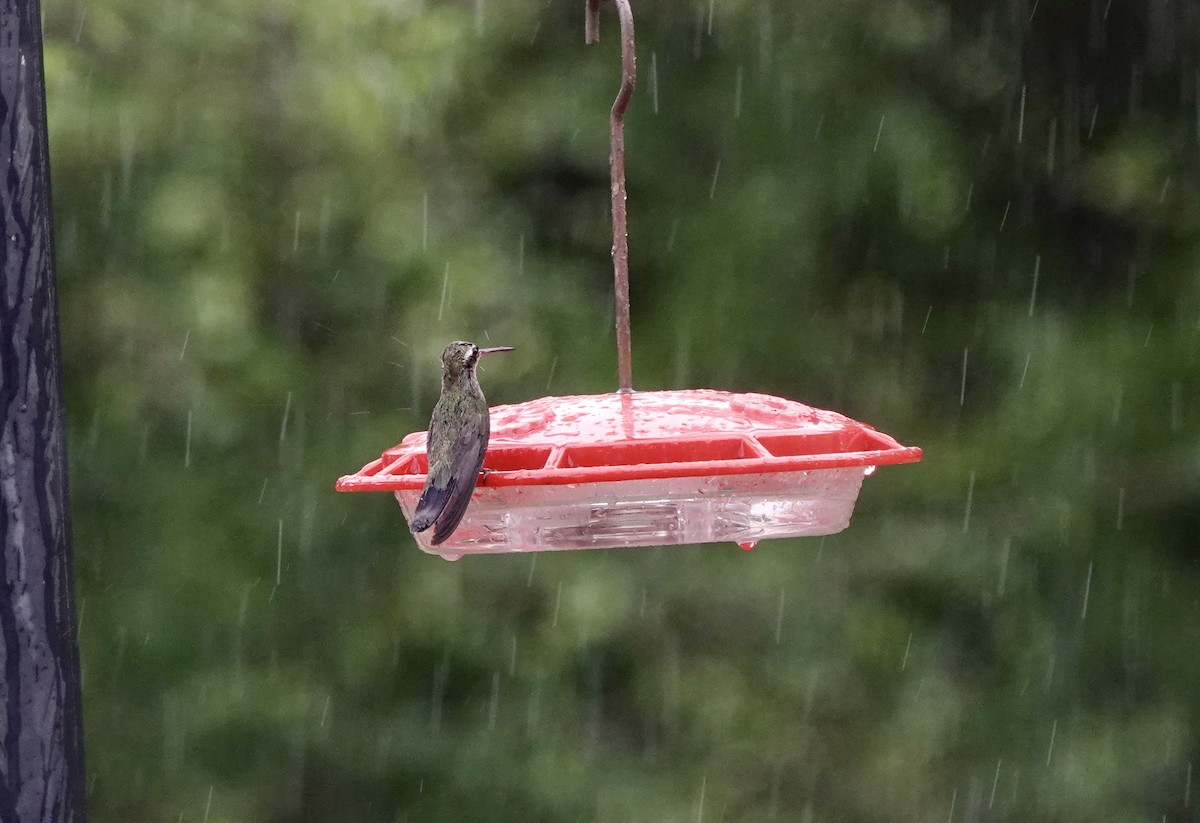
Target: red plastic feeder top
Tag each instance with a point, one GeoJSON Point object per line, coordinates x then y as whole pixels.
{"type": "Point", "coordinates": [649, 468]}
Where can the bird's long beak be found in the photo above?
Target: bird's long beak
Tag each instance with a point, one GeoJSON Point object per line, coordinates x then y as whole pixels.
{"type": "Point", "coordinates": [495, 349]}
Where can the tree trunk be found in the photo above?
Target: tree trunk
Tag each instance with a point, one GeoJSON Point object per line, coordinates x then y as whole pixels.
{"type": "Point", "coordinates": [41, 733]}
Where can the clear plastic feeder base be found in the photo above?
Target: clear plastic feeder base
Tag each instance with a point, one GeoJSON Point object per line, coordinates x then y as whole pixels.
{"type": "Point", "coordinates": [649, 469]}
{"type": "Point", "coordinates": [743, 509]}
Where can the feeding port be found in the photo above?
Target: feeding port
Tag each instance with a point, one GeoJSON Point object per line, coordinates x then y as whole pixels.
{"type": "Point", "coordinates": [649, 469]}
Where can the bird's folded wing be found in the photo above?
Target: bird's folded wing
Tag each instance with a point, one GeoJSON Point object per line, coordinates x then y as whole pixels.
{"type": "Point", "coordinates": [468, 458]}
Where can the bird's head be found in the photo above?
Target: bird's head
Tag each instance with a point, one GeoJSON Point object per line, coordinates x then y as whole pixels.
{"type": "Point", "coordinates": [461, 356]}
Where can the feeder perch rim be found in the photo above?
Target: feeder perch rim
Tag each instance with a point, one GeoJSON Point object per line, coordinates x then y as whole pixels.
{"type": "Point", "coordinates": [642, 435]}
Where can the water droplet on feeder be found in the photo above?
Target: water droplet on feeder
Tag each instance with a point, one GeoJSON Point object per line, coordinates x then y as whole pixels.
{"type": "Point", "coordinates": [869, 470]}
{"type": "Point", "coordinates": [451, 556]}
{"type": "Point", "coordinates": [747, 545]}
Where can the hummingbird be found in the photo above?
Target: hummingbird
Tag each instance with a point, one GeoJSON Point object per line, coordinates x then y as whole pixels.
{"type": "Point", "coordinates": [458, 438]}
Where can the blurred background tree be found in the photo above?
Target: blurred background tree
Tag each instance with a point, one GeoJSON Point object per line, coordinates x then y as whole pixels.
{"type": "Point", "coordinates": [973, 224]}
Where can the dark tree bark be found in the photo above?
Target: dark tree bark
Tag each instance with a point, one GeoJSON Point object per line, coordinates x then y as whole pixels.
{"type": "Point", "coordinates": [41, 740]}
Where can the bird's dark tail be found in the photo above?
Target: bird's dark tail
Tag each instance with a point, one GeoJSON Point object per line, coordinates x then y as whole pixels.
{"type": "Point", "coordinates": [433, 500]}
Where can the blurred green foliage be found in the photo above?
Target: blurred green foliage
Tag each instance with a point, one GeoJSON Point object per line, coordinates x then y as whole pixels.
{"type": "Point", "coordinates": [971, 224]}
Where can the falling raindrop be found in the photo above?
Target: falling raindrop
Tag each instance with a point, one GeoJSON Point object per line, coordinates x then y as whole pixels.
{"type": "Point", "coordinates": [1021, 118]}
{"type": "Point", "coordinates": [1037, 266]}
{"type": "Point", "coordinates": [440, 674]}
{"type": "Point", "coordinates": [424, 221]}
{"type": "Point", "coordinates": [970, 495]}
{"type": "Point", "coordinates": [283, 424]}
{"type": "Point", "coordinates": [1050, 142]}
{"type": "Point", "coordinates": [962, 391]}
{"type": "Point", "coordinates": [779, 617]}
{"type": "Point", "coordinates": [1050, 748]}
{"type": "Point", "coordinates": [1004, 553]}
{"type": "Point", "coordinates": [533, 709]}
{"type": "Point", "coordinates": [654, 80]}
{"type": "Point", "coordinates": [737, 95]}
{"type": "Point", "coordinates": [445, 288]}
{"type": "Point", "coordinates": [494, 702]}
{"type": "Point", "coordinates": [187, 447]}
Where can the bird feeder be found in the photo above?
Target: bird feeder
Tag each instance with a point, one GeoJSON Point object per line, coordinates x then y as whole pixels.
{"type": "Point", "coordinates": [646, 468]}
{"type": "Point", "coordinates": [649, 468]}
